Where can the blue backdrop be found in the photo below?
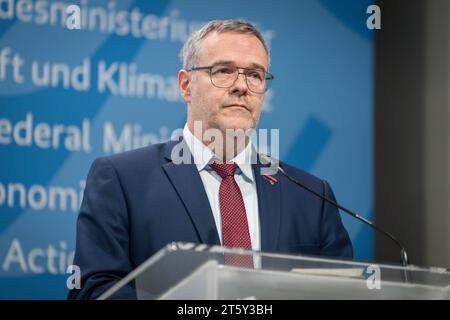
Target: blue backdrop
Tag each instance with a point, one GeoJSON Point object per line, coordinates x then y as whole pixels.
{"type": "Point", "coordinates": [69, 96]}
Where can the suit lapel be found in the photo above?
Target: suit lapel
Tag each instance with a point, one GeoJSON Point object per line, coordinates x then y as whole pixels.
{"type": "Point", "coordinates": [269, 201]}
{"type": "Point", "coordinates": [189, 186]}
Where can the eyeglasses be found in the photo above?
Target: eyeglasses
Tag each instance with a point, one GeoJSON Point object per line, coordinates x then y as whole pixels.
{"type": "Point", "coordinates": [224, 76]}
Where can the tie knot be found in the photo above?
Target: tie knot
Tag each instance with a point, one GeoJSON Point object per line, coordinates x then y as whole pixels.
{"type": "Point", "coordinates": [224, 169]}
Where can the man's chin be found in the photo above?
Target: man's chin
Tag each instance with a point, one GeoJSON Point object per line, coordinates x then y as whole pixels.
{"type": "Point", "coordinates": [237, 125]}
{"type": "Point", "coordinates": [236, 122]}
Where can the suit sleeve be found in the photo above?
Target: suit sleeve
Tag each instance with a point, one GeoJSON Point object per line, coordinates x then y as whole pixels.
{"type": "Point", "coordinates": [335, 241]}
{"type": "Point", "coordinates": [102, 245]}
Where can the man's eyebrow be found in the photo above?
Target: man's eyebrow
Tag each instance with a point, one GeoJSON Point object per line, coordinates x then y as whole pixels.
{"type": "Point", "coordinates": [231, 63]}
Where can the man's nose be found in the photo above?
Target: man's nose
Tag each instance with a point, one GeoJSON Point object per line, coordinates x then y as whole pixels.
{"type": "Point", "coordinates": [240, 85]}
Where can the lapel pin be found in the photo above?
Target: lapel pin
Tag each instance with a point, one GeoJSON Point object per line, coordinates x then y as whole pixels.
{"type": "Point", "coordinates": [270, 179]}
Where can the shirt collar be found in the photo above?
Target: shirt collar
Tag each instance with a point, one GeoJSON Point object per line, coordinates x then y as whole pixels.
{"type": "Point", "coordinates": [203, 155]}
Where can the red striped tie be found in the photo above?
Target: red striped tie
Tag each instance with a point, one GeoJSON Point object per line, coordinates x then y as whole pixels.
{"type": "Point", "coordinates": [235, 232]}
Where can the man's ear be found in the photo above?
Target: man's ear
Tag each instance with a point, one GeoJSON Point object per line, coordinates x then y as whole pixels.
{"type": "Point", "coordinates": [184, 82]}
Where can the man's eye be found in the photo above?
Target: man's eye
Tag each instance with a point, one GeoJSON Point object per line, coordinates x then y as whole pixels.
{"type": "Point", "coordinates": [223, 70]}
{"type": "Point", "coordinates": [255, 75]}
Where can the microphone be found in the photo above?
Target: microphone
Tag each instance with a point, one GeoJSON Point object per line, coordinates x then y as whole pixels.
{"type": "Point", "coordinates": [275, 164]}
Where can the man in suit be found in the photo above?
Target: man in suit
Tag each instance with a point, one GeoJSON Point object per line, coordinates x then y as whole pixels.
{"type": "Point", "coordinates": [138, 201]}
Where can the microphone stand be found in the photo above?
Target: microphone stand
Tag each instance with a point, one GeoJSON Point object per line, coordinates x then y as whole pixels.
{"type": "Point", "coordinates": [403, 254]}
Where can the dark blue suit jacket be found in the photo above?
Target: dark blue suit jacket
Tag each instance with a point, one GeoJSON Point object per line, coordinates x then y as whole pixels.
{"type": "Point", "coordinates": [136, 202]}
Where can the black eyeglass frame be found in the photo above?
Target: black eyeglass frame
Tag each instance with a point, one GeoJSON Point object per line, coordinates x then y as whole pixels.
{"type": "Point", "coordinates": [267, 76]}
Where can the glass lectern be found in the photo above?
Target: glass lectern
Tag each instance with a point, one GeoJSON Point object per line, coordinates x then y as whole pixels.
{"type": "Point", "coordinates": [193, 271]}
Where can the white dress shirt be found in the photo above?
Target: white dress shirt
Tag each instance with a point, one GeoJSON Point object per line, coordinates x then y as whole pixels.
{"type": "Point", "coordinates": [244, 177]}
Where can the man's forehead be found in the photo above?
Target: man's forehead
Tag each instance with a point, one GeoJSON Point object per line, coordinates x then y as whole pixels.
{"type": "Point", "coordinates": [234, 48]}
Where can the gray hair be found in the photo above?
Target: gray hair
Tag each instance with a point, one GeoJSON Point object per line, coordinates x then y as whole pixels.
{"type": "Point", "coordinates": [189, 53]}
